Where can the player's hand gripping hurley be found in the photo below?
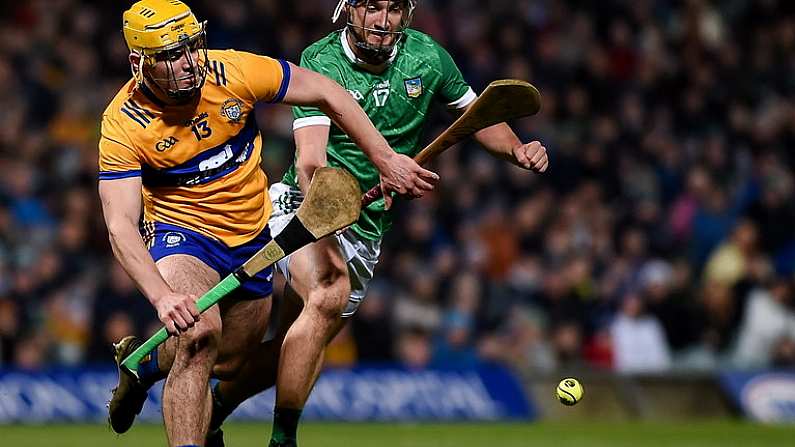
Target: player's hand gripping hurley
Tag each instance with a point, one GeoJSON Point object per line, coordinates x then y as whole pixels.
{"type": "Point", "coordinates": [502, 101]}
{"type": "Point", "coordinates": [332, 203]}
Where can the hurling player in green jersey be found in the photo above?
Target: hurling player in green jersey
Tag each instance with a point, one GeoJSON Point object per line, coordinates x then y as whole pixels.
{"type": "Point", "coordinates": [396, 74]}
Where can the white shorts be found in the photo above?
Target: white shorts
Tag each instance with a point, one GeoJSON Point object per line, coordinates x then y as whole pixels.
{"type": "Point", "coordinates": [360, 254]}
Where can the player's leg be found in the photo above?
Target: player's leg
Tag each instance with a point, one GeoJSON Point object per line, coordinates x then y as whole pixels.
{"type": "Point", "coordinates": [166, 242]}
{"type": "Point", "coordinates": [129, 395]}
{"type": "Point", "coordinates": [168, 245]}
{"type": "Point", "coordinates": [319, 275]}
{"type": "Point", "coordinates": [259, 372]}
{"type": "Point", "coordinates": [305, 325]}
{"type": "Point", "coordinates": [242, 324]}
{"type": "Point", "coordinates": [186, 396]}
{"type": "Point", "coordinates": [343, 264]}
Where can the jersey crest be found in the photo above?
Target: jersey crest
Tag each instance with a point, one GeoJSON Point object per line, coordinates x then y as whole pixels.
{"type": "Point", "coordinates": [413, 87]}
{"type": "Point", "coordinates": [232, 109]}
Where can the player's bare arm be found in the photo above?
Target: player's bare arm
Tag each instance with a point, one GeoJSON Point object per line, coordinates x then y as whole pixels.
{"type": "Point", "coordinates": [501, 141]}
{"type": "Point", "coordinates": [311, 142]}
{"type": "Point", "coordinates": [121, 207]}
{"type": "Point", "coordinates": [399, 173]}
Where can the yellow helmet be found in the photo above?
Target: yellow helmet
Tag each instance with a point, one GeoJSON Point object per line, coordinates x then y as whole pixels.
{"type": "Point", "coordinates": [162, 30]}
{"type": "Point", "coordinates": [155, 25]}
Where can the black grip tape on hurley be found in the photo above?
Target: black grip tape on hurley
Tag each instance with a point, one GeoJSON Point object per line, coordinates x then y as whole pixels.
{"type": "Point", "coordinates": [294, 236]}
{"type": "Point", "coordinates": [241, 275]}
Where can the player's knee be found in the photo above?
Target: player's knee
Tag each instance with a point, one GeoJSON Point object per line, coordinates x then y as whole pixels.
{"type": "Point", "coordinates": [329, 298]}
{"type": "Point", "coordinates": [229, 369]}
{"type": "Point", "coordinates": [201, 339]}
{"type": "Point", "coordinates": [331, 276]}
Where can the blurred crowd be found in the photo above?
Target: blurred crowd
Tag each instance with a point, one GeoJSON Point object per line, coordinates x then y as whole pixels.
{"type": "Point", "coordinates": [662, 237]}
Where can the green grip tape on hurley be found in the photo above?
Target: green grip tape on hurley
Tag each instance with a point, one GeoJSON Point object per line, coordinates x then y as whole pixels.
{"type": "Point", "coordinates": [208, 300]}
{"type": "Point", "coordinates": [214, 295]}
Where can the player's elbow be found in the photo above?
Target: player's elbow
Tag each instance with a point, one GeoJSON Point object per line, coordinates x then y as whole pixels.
{"type": "Point", "coordinates": [325, 101]}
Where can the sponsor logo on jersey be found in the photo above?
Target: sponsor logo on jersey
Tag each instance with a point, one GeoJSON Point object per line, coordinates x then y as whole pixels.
{"type": "Point", "coordinates": [232, 109]}
{"type": "Point", "coordinates": [195, 120]}
{"type": "Point", "coordinates": [173, 239]}
{"type": "Point", "coordinates": [357, 95]}
{"type": "Point", "coordinates": [413, 87]}
{"type": "Point", "coordinates": [166, 144]}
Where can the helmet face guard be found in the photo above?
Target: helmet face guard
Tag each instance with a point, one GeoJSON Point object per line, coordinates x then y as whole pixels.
{"type": "Point", "coordinates": [191, 51]}
{"type": "Point", "coordinates": [361, 31]}
{"type": "Point", "coordinates": [171, 45]}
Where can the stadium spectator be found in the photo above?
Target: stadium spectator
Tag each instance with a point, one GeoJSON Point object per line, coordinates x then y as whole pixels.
{"type": "Point", "coordinates": [638, 339]}
{"type": "Point", "coordinates": [768, 329]}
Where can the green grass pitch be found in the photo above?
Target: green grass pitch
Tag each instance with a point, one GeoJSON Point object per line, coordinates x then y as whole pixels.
{"type": "Point", "coordinates": [717, 434]}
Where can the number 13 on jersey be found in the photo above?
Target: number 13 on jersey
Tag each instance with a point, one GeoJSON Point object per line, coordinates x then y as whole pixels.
{"type": "Point", "coordinates": [201, 130]}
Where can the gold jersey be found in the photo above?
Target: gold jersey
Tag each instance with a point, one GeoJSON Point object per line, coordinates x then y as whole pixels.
{"type": "Point", "coordinates": [199, 163]}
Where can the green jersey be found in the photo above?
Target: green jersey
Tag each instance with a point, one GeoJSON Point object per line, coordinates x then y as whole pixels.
{"type": "Point", "coordinates": [396, 100]}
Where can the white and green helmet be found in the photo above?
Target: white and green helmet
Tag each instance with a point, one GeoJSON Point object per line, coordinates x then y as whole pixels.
{"type": "Point", "coordinates": [377, 52]}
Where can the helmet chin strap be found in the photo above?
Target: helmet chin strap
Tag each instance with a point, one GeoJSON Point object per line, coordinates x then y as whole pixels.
{"type": "Point", "coordinates": [138, 70]}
